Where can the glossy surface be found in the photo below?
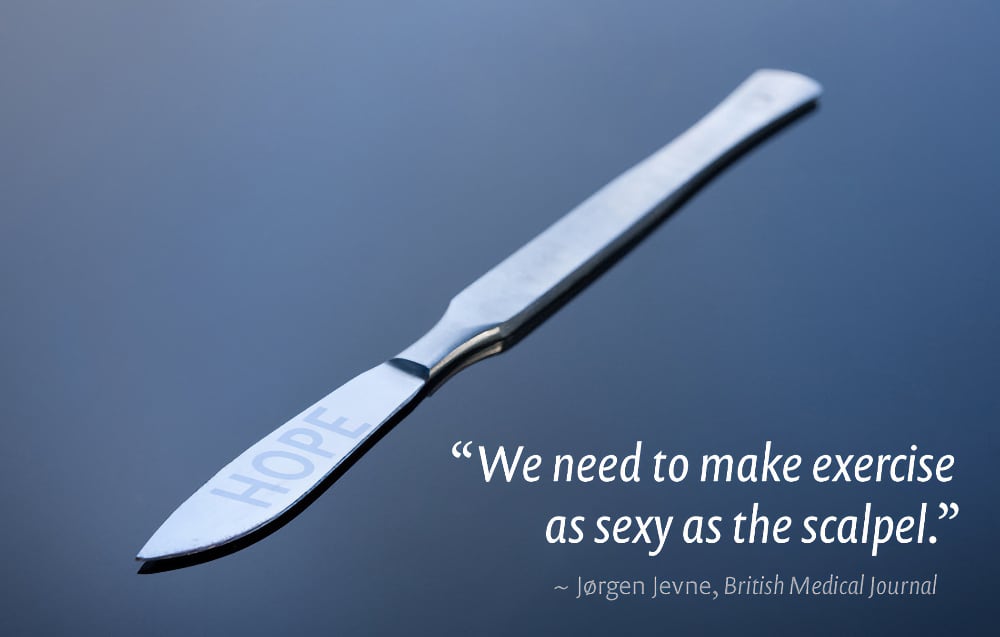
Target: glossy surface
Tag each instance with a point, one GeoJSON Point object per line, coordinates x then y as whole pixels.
{"type": "Point", "coordinates": [199, 200]}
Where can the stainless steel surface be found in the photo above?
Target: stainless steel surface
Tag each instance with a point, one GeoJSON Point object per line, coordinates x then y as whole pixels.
{"type": "Point", "coordinates": [271, 476]}
{"type": "Point", "coordinates": [482, 317]}
{"type": "Point", "coordinates": [275, 474]}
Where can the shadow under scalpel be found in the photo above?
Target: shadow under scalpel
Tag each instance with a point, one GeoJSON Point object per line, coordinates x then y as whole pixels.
{"type": "Point", "coordinates": [182, 561]}
{"type": "Point", "coordinates": [169, 564]}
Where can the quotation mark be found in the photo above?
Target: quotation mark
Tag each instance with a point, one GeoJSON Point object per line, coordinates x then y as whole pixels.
{"type": "Point", "coordinates": [464, 451]}
{"type": "Point", "coordinates": [945, 509]}
{"type": "Point", "coordinates": [949, 511]}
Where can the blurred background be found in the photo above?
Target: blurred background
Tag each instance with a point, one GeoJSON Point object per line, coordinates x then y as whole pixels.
{"type": "Point", "coordinates": [212, 214]}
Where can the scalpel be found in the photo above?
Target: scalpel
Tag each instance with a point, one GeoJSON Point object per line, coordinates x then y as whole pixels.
{"type": "Point", "coordinates": [278, 476]}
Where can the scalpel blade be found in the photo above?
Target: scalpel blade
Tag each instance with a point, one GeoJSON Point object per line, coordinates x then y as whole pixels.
{"type": "Point", "coordinates": [272, 476]}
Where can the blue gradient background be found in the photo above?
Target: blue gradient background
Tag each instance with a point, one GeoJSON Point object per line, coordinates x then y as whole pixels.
{"type": "Point", "coordinates": [211, 214]}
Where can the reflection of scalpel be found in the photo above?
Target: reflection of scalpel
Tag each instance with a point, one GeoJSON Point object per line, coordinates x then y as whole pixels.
{"type": "Point", "coordinates": [274, 479]}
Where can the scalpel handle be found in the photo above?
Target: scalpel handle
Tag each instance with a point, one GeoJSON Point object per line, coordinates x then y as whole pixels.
{"type": "Point", "coordinates": [513, 297]}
